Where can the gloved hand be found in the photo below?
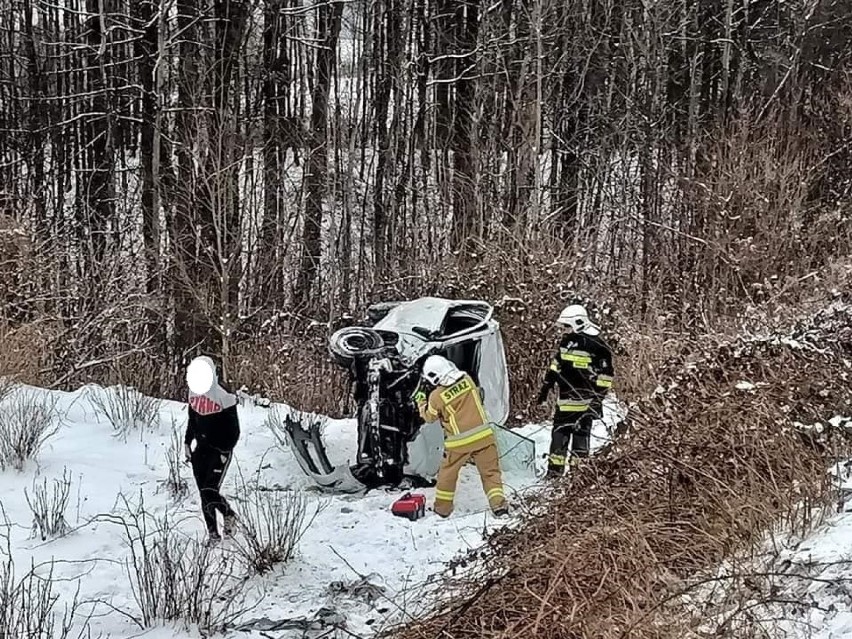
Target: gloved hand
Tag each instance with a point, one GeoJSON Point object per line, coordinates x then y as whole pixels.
{"type": "Point", "coordinates": [542, 396]}
{"type": "Point", "coordinates": [187, 452]}
{"type": "Point", "coordinates": [419, 398]}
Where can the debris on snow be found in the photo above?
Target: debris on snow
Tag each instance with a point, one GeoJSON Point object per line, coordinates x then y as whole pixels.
{"type": "Point", "coordinates": [817, 426]}
{"type": "Point", "coordinates": [324, 619]}
{"type": "Point", "coordinates": [361, 588]}
{"type": "Point", "coordinates": [841, 422]}
{"type": "Point", "coordinates": [252, 399]}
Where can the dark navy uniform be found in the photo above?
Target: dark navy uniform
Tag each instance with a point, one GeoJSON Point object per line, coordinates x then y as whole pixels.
{"type": "Point", "coordinates": [583, 371]}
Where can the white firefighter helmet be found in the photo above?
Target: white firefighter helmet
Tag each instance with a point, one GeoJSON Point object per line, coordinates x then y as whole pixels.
{"type": "Point", "coordinates": [576, 317]}
{"type": "Point", "coordinates": [439, 371]}
{"type": "Point", "coordinates": [201, 375]}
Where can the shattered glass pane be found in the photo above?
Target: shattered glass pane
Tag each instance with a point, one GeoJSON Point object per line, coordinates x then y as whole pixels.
{"type": "Point", "coordinates": [517, 453]}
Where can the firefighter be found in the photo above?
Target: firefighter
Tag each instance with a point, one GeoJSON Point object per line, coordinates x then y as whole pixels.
{"type": "Point", "coordinates": [468, 435]}
{"type": "Point", "coordinates": [583, 370]}
{"type": "Point", "coordinates": [214, 426]}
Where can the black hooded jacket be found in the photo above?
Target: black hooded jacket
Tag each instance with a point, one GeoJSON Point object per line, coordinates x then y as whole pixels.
{"type": "Point", "coordinates": [219, 430]}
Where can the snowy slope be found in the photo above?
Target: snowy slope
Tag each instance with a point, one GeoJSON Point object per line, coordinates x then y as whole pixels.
{"type": "Point", "coordinates": [816, 574]}
{"type": "Point", "coordinates": [795, 586]}
{"type": "Point", "coordinates": [351, 536]}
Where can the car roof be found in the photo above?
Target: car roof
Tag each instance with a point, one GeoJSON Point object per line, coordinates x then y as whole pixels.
{"type": "Point", "coordinates": [425, 321]}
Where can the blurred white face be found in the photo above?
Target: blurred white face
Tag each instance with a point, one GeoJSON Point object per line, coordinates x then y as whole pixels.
{"type": "Point", "coordinates": [200, 376]}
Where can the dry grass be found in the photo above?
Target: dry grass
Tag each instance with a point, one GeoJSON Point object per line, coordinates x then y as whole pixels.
{"type": "Point", "coordinates": [288, 361]}
{"type": "Point", "coordinates": [706, 469]}
{"type": "Point", "coordinates": [26, 350]}
{"type": "Point", "coordinates": [7, 385]}
{"type": "Point", "coordinates": [272, 523]}
{"type": "Point", "coordinates": [177, 578]}
{"type": "Point", "coordinates": [29, 603]}
{"type": "Point", "coordinates": [125, 408]}
{"type": "Point", "coordinates": [48, 506]}
{"type": "Point", "coordinates": [28, 419]}
{"type": "Point", "coordinates": [294, 369]}
{"type": "Point", "coordinates": [175, 483]}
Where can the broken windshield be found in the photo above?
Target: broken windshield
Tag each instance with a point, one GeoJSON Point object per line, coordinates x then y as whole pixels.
{"type": "Point", "coordinates": [420, 323]}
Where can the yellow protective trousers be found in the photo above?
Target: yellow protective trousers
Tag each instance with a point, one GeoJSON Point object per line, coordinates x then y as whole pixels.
{"type": "Point", "coordinates": [487, 462]}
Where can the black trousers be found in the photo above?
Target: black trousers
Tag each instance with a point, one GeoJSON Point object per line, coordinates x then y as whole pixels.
{"type": "Point", "coordinates": [209, 466]}
{"type": "Point", "coordinates": [566, 424]}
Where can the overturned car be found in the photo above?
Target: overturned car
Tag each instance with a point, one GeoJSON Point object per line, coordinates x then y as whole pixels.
{"type": "Point", "coordinates": [384, 359]}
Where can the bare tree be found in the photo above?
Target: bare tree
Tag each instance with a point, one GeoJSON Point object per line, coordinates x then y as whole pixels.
{"type": "Point", "coordinates": [328, 15]}
{"type": "Point", "coordinates": [267, 161]}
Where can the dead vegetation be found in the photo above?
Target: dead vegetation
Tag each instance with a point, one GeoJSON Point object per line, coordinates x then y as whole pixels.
{"type": "Point", "coordinates": [175, 483]}
{"type": "Point", "coordinates": [28, 419]}
{"type": "Point", "coordinates": [25, 349]}
{"type": "Point", "coordinates": [29, 599]}
{"type": "Point", "coordinates": [48, 506]}
{"type": "Point", "coordinates": [528, 292]}
{"type": "Point", "coordinates": [175, 577]}
{"type": "Point", "coordinates": [272, 523]}
{"type": "Point", "coordinates": [716, 458]}
{"type": "Point", "coordinates": [7, 385]}
{"type": "Point", "coordinates": [125, 408]}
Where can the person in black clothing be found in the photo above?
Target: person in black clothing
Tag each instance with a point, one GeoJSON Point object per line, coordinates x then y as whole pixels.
{"type": "Point", "coordinates": [214, 426]}
{"type": "Point", "coordinates": [583, 370]}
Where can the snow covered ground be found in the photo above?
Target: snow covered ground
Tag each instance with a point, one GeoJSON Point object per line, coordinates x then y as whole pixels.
{"type": "Point", "coordinates": [356, 563]}
{"type": "Point", "coordinates": [350, 538]}
{"type": "Point", "coordinates": [815, 576]}
{"type": "Point", "coordinates": [796, 587]}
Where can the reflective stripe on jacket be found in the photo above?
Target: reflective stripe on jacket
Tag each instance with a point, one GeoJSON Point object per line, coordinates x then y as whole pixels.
{"type": "Point", "coordinates": [583, 370]}
{"type": "Point", "coordinates": [460, 409]}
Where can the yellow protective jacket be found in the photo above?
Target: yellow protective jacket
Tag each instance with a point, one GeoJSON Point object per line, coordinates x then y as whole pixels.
{"type": "Point", "coordinates": [459, 407]}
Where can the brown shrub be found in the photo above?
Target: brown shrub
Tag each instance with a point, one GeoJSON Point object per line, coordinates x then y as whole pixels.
{"type": "Point", "coordinates": [527, 287]}
{"type": "Point", "coordinates": [26, 351]}
{"type": "Point", "coordinates": [708, 467]}
{"type": "Point", "coordinates": [527, 290]}
{"type": "Point", "coordinates": [294, 369]}
{"type": "Point", "coordinates": [14, 247]}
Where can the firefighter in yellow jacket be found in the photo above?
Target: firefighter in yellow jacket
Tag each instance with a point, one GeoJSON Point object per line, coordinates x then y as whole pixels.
{"type": "Point", "coordinates": [467, 433]}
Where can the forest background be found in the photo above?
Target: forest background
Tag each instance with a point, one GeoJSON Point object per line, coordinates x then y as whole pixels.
{"type": "Point", "coordinates": [242, 177]}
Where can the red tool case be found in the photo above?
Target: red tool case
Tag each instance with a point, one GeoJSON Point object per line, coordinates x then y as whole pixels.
{"type": "Point", "coordinates": [410, 506]}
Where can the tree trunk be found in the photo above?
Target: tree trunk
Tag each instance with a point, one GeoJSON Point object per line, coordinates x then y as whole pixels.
{"type": "Point", "coordinates": [97, 182]}
{"type": "Point", "coordinates": [328, 31]}
{"type": "Point", "coordinates": [223, 162]}
{"type": "Point", "coordinates": [185, 270]}
{"type": "Point", "coordinates": [444, 46]}
{"type": "Point", "coordinates": [145, 50]}
{"type": "Point", "coordinates": [268, 261]}
{"type": "Point", "coordinates": [379, 51]}
{"type": "Point", "coordinates": [464, 168]}
{"type": "Point", "coordinates": [38, 120]}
